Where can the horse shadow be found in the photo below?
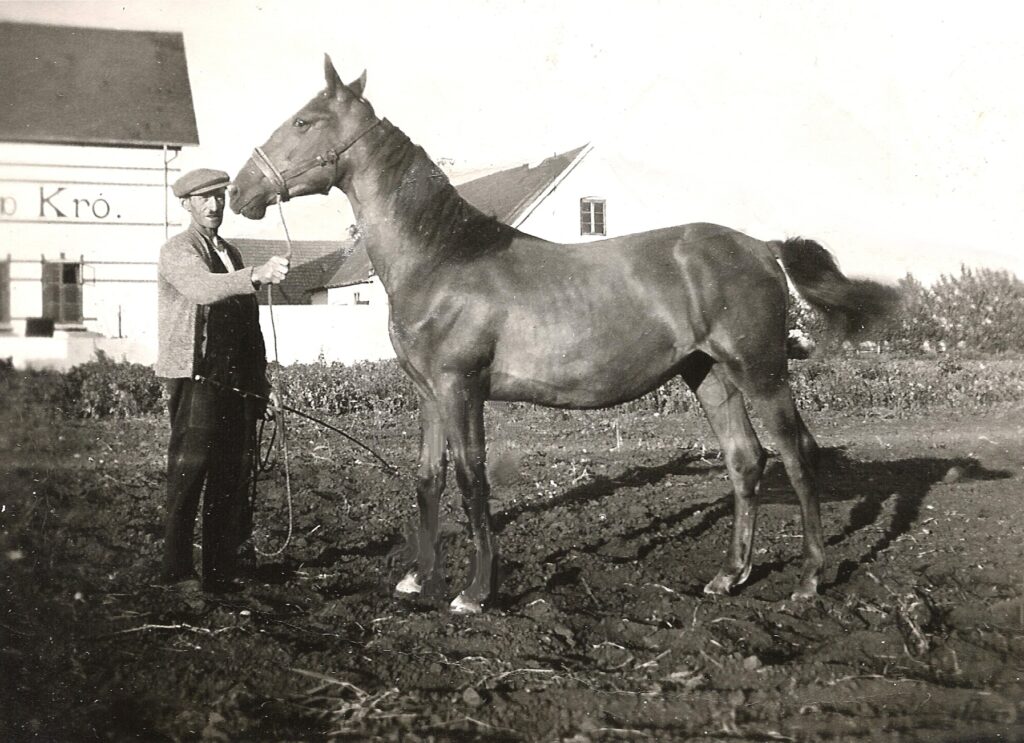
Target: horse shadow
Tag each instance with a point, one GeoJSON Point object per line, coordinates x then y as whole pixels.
{"type": "Point", "coordinates": [602, 486]}
{"type": "Point", "coordinates": [874, 486]}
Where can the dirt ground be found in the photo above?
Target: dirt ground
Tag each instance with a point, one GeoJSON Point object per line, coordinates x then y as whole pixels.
{"type": "Point", "coordinates": [609, 526]}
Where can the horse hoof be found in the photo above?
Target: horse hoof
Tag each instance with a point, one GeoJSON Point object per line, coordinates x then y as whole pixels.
{"type": "Point", "coordinates": [409, 584]}
{"type": "Point", "coordinates": [807, 591]}
{"type": "Point", "coordinates": [720, 585]}
{"type": "Point", "coordinates": [461, 605]}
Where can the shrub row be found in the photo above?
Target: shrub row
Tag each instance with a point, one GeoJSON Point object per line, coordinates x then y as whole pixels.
{"type": "Point", "coordinates": [858, 384]}
{"type": "Point", "coordinates": [380, 390]}
{"type": "Point", "coordinates": [907, 385]}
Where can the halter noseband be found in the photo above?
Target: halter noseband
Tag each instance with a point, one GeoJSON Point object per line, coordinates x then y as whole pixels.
{"type": "Point", "coordinates": [279, 179]}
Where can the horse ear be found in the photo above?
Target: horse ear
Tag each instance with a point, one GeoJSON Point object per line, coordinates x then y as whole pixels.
{"type": "Point", "coordinates": [331, 76]}
{"type": "Point", "coordinates": [357, 86]}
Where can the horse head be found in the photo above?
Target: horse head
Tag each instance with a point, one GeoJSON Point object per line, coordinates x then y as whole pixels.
{"type": "Point", "coordinates": [308, 153]}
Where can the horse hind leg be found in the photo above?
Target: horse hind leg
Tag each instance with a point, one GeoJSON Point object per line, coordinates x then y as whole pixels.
{"type": "Point", "coordinates": [744, 459]}
{"type": "Point", "coordinates": [773, 400]}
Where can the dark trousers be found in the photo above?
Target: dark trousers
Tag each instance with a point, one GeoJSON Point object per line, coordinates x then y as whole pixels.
{"type": "Point", "coordinates": [213, 437]}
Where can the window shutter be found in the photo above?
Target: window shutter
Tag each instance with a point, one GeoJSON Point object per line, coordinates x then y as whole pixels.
{"type": "Point", "coordinates": [62, 292]}
{"type": "Point", "coordinates": [5, 291]}
{"type": "Point", "coordinates": [51, 290]}
{"type": "Point", "coordinates": [71, 293]}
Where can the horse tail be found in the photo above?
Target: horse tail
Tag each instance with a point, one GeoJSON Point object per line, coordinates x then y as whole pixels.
{"type": "Point", "coordinates": [849, 305]}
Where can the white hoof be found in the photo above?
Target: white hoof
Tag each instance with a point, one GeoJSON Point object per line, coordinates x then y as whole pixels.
{"type": "Point", "coordinates": [462, 605]}
{"type": "Point", "coordinates": [409, 584]}
{"type": "Point", "coordinates": [720, 585]}
{"type": "Point", "coordinates": [806, 591]}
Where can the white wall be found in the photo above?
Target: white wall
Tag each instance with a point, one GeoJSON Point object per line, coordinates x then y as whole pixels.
{"type": "Point", "coordinates": [557, 218]}
{"type": "Point", "coordinates": [368, 292]}
{"type": "Point", "coordinates": [344, 334]}
{"type": "Point", "coordinates": [67, 349]}
{"type": "Point", "coordinates": [336, 333]}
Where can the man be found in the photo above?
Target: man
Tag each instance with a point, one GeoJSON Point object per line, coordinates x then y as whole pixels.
{"type": "Point", "coordinates": [210, 345]}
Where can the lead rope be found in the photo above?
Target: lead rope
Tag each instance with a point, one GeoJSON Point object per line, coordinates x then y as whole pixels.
{"type": "Point", "coordinates": [279, 412]}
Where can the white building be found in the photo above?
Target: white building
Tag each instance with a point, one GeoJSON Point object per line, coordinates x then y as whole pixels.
{"type": "Point", "coordinates": [91, 121]}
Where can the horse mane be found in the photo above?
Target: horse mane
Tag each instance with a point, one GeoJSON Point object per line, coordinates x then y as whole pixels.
{"type": "Point", "coordinates": [427, 205]}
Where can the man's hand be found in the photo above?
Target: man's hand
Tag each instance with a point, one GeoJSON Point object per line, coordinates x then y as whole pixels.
{"type": "Point", "coordinates": [271, 272]}
{"type": "Point", "coordinates": [273, 405]}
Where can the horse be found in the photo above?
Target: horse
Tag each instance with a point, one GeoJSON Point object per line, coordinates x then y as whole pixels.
{"type": "Point", "coordinates": [482, 311]}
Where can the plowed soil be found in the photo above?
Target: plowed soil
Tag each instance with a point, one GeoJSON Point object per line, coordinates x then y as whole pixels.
{"type": "Point", "coordinates": [609, 527]}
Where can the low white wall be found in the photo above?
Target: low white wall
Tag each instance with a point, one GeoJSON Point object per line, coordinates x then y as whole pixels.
{"type": "Point", "coordinates": [67, 349]}
{"type": "Point", "coordinates": [337, 333]}
{"type": "Point", "coordinates": [346, 334]}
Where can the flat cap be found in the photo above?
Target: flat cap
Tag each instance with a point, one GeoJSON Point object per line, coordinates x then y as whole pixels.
{"type": "Point", "coordinates": [201, 181]}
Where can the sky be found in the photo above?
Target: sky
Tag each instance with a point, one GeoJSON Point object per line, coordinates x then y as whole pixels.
{"type": "Point", "coordinates": [889, 131]}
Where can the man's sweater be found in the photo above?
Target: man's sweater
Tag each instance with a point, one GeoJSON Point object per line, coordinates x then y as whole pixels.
{"type": "Point", "coordinates": [185, 284]}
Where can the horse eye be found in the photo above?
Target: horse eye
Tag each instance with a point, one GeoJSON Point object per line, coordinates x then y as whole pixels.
{"type": "Point", "coordinates": [300, 123]}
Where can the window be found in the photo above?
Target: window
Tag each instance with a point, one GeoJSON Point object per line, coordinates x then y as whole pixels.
{"type": "Point", "coordinates": [62, 292]}
{"type": "Point", "coordinates": [592, 217]}
{"type": "Point", "coordinates": [5, 292]}
{"type": "Point", "coordinates": [358, 299]}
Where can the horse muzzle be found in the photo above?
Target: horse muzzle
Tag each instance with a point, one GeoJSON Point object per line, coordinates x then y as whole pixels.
{"type": "Point", "coordinates": [271, 173]}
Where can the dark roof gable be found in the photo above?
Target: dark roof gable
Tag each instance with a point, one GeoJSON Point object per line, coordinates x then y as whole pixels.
{"type": "Point", "coordinates": [313, 264]}
{"type": "Point", "coordinates": [94, 86]}
{"type": "Point", "coordinates": [357, 269]}
{"type": "Point", "coordinates": [505, 194]}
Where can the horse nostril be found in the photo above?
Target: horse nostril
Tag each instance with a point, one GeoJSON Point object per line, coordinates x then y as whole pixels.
{"type": "Point", "coordinates": [232, 190]}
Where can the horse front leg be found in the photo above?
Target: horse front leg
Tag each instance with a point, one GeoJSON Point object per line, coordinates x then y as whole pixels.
{"type": "Point", "coordinates": [430, 482]}
{"type": "Point", "coordinates": [462, 406]}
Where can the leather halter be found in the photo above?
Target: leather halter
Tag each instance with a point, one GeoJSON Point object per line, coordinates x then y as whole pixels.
{"type": "Point", "coordinates": [279, 179]}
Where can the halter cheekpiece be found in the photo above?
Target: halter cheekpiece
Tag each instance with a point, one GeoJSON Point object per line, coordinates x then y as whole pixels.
{"type": "Point", "coordinates": [279, 179]}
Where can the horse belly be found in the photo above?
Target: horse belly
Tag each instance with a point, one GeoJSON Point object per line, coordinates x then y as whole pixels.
{"type": "Point", "coordinates": [579, 369]}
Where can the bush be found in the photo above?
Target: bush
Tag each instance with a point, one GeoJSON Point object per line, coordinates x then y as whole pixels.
{"type": "Point", "coordinates": [43, 387]}
{"type": "Point", "coordinates": [980, 310]}
{"type": "Point", "coordinates": [97, 389]}
{"type": "Point", "coordinates": [377, 388]}
{"type": "Point", "coordinates": [103, 388]}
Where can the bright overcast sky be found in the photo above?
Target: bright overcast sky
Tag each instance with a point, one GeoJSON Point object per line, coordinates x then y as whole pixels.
{"type": "Point", "coordinates": [892, 132]}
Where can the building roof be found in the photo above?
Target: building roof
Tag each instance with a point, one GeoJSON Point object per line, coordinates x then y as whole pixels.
{"type": "Point", "coordinates": [313, 263]}
{"type": "Point", "coordinates": [356, 269]}
{"type": "Point", "coordinates": [94, 86]}
{"type": "Point", "coordinates": [507, 195]}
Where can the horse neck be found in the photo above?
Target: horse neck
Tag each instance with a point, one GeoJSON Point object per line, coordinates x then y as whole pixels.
{"type": "Point", "coordinates": [409, 213]}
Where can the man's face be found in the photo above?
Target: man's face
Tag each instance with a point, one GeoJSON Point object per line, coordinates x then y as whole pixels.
{"type": "Point", "coordinates": [207, 209]}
